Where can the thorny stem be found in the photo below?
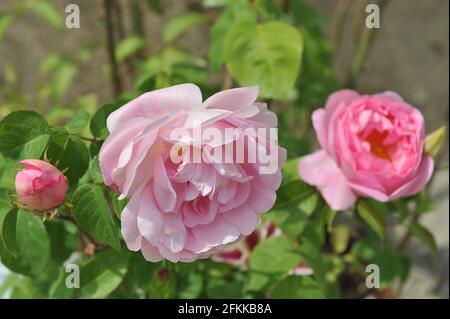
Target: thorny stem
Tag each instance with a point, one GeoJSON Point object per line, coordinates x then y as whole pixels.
{"type": "Point", "coordinates": [69, 218]}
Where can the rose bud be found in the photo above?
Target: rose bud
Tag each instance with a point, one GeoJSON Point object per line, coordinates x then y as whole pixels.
{"type": "Point", "coordinates": [40, 185]}
{"type": "Point", "coordinates": [372, 146]}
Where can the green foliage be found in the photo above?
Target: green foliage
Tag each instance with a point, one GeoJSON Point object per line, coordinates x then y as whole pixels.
{"type": "Point", "coordinates": [267, 54]}
{"type": "Point", "coordinates": [297, 287]}
{"type": "Point", "coordinates": [98, 122]}
{"type": "Point", "coordinates": [61, 71]}
{"type": "Point", "coordinates": [128, 46]}
{"type": "Point", "coordinates": [23, 134]}
{"type": "Point", "coordinates": [69, 153]}
{"type": "Point", "coordinates": [180, 24]}
{"type": "Point", "coordinates": [170, 67]}
{"type": "Point", "coordinates": [392, 263]}
{"type": "Point", "coordinates": [103, 273]}
{"type": "Point", "coordinates": [45, 10]}
{"type": "Point", "coordinates": [155, 5]}
{"type": "Point", "coordinates": [163, 284]}
{"type": "Point", "coordinates": [5, 21]}
{"type": "Point", "coordinates": [24, 244]}
{"type": "Point", "coordinates": [92, 213]}
{"type": "Point", "coordinates": [372, 218]}
{"type": "Point", "coordinates": [274, 257]}
{"type": "Point", "coordinates": [237, 11]}
{"type": "Point", "coordinates": [423, 234]}
{"type": "Point", "coordinates": [79, 122]}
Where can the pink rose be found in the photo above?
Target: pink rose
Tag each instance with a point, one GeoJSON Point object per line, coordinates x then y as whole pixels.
{"type": "Point", "coordinates": [181, 209]}
{"type": "Point", "coordinates": [40, 185]}
{"type": "Point", "coordinates": [372, 145]}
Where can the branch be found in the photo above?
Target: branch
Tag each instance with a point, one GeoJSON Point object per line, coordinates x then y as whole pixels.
{"type": "Point", "coordinates": [107, 7]}
{"type": "Point", "coordinates": [362, 48]}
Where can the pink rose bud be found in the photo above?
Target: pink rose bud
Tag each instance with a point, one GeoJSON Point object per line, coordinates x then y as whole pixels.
{"type": "Point", "coordinates": [372, 146]}
{"type": "Point", "coordinates": [40, 185]}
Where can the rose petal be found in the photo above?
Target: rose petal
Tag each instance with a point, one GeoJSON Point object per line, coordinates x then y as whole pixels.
{"type": "Point", "coordinates": [320, 170]}
{"type": "Point", "coordinates": [415, 185]}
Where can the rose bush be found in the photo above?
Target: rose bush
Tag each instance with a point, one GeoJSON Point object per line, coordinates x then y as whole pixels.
{"type": "Point", "coordinates": [132, 191]}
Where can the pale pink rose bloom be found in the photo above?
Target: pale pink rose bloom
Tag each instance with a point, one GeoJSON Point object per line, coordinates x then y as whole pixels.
{"type": "Point", "coordinates": [40, 185]}
{"type": "Point", "coordinates": [372, 145]}
{"type": "Point", "coordinates": [186, 211]}
{"type": "Point", "coordinates": [238, 254]}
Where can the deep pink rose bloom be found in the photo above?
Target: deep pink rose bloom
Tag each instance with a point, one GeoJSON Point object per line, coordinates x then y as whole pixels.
{"type": "Point", "coordinates": [372, 145]}
{"type": "Point", "coordinates": [40, 185]}
{"type": "Point", "coordinates": [185, 210]}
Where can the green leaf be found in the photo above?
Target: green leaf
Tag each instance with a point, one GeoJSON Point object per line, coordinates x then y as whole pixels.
{"type": "Point", "coordinates": [340, 236]}
{"type": "Point", "coordinates": [295, 203]}
{"type": "Point", "coordinates": [237, 11]}
{"type": "Point", "coordinates": [62, 77]}
{"type": "Point", "coordinates": [58, 289]}
{"type": "Point", "coordinates": [190, 285]}
{"type": "Point", "coordinates": [163, 284]}
{"type": "Point", "coordinates": [274, 256]}
{"type": "Point", "coordinates": [47, 12]}
{"type": "Point", "coordinates": [297, 287]}
{"type": "Point", "coordinates": [268, 55]}
{"type": "Point", "coordinates": [24, 244]}
{"type": "Point", "coordinates": [92, 214]}
{"type": "Point", "coordinates": [98, 121]}
{"type": "Point", "coordinates": [23, 133]}
{"type": "Point", "coordinates": [62, 241]}
{"type": "Point", "coordinates": [35, 147]}
{"type": "Point", "coordinates": [313, 238]}
{"type": "Point", "coordinates": [5, 20]}
{"type": "Point", "coordinates": [214, 3]}
{"type": "Point", "coordinates": [155, 5]}
{"type": "Point", "coordinates": [8, 172]}
{"type": "Point", "coordinates": [140, 271]}
{"type": "Point", "coordinates": [257, 281]}
{"type": "Point", "coordinates": [86, 52]}
{"type": "Point", "coordinates": [180, 24]}
{"type": "Point", "coordinates": [290, 170]}
{"type": "Point", "coordinates": [220, 288]}
{"type": "Point", "coordinates": [306, 15]}
{"type": "Point", "coordinates": [51, 62]}
{"type": "Point", "coordinates": [423, 234]}
{"type": "Point", "coordinates": [128, 46]}
{"type": "Point", "coordinates": [268, 9]}
{"type": "Point", "coordinates": [79, 121]}
{"type": "Point", "coordinates": [372, 217]}
{"type": "Point", "coordinates": [103, 273]}
{"type": "Point", "coordinates": [391, 262]}
{"type": "Point", "coordinates": [7, 283]}
{"type": "Point", "coordinates": [70, 154]}
{"type": "Point", "coordinates": [118, 205]}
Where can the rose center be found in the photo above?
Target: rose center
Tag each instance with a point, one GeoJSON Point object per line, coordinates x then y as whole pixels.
{"type": "Point", "coordinates": [377, 145]}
